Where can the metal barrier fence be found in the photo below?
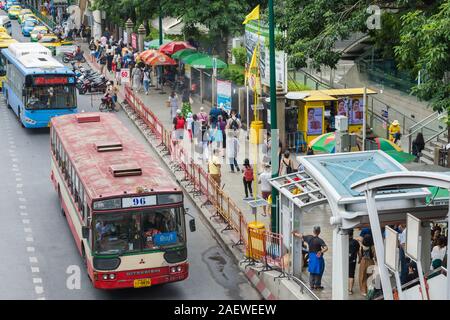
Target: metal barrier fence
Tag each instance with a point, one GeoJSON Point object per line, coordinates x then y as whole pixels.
{"type": "Point", "coordinates": [265, 247]}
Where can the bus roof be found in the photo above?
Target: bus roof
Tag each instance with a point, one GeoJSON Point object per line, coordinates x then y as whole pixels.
{"type": "Point", "coordinates": [83, 136]}
{"type": "Point", "coordinates": [52, 66]}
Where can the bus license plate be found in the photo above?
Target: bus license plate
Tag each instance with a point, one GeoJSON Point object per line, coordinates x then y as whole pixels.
{"type": "Point", "coordinates": [140, 283]}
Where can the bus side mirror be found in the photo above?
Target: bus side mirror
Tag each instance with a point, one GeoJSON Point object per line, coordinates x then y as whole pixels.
{"type": "Point", "coordinates": [192, 225]}
{"type": "Point", "coordinates": [85, 232]}
{"type": "Point", "coordinates": [24, 92]}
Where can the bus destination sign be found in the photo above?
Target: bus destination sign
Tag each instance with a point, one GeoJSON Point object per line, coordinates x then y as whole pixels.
{"type": "Point", "coordinates": [39, 81]}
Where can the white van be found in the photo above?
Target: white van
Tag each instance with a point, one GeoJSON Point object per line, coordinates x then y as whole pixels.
{"type": "Point", "coordinates": [6, 23]}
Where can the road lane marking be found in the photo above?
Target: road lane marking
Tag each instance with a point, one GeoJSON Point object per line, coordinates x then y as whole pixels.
{"type": "Point", "coordinates": [37, 280]}
{"type": "Point", "coordinates": [29, 239]}
{"type": "Point", "coordinates": [27, 230]}
{"type": "Point", "coordinates": [39, 289]}
{"type": "Point", "coordinates": [34, 269]}
{"type": "Point", "coordinates": [24, 214]}
{"type": "Point", "coordinates": [26, 221]}
{"type": "Point", "coordinates": [18, 179]}
{"type": "Point", "coordinates": [19, 185]}
{"type": "Point", "coordinates": [22, 207]}
{"type": "Point", "coordinates": [30, 249]}
{"type": "Point", "coordinates": [22, 199]}
{"type": "Point", "coordinates": [33, 260]}
{"type": "Point", "coordinates": [19, 192]}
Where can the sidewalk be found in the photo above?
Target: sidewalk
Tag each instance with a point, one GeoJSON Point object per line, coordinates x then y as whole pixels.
{"type": "Point", "coordinates": [234, 188]}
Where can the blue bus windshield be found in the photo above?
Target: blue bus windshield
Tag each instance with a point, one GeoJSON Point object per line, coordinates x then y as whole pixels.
{"type": "Point", "coordinates": [50, 97]}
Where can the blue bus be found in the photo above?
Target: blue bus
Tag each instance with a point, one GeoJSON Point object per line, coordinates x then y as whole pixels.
{"type": "Point", "coordinates": [37, 87]}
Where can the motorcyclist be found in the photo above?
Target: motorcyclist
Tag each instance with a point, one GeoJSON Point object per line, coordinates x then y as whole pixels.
{"type": "Point", "coordinates": [108, 96]}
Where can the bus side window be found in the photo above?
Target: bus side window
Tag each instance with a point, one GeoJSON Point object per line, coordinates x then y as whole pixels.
{"type": "Point", "coordinates": [53, 139]}
{"type": "Point", "coordinates": [77, 189]}
{"type": "Point", "coordinates": [81, 201]}
{"type": "Point", "coordinates": [57, 155]}
{"type": "Point", "coordinates": [72, 180]}
{"type": "Point", "coordinates": [72, 177]}
{"type": "Point", "coordinates": [69, 180]}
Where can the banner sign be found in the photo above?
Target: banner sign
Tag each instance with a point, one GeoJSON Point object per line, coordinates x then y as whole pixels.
{"type": "Point", "coordinates": [251, 39]}
{"type": "Point", "coordinates": [134, 40]}
{"type": "Point", "coordinates": [224, 94]}
{"type": "Point", "coordinates": [125, 75]}
{"type": "Point", "coordinates": [125, 37]}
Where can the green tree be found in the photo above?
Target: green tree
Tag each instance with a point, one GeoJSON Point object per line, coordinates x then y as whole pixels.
{"type": "Point", "coordinates": [425, 46]}
{"type": "Point", "coordinates": [222, 18]}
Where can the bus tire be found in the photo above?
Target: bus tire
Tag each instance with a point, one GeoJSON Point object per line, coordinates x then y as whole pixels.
{"type": "Point", "coordinates": [83, 256]}
{"type": "Point", "coordinates": [7, 102]}
{"type": "Point", "coordinates": [20, 117]}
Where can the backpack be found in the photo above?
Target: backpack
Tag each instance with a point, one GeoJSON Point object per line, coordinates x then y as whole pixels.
{"type": "Point", "coordinates": [248, 173]}
{"type": "Point", "coordinates": [288, 167]}
{"type": "Point", "coordinates": [234, 124]}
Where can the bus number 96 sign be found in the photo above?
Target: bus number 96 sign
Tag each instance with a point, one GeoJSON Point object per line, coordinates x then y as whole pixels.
{"type": "Point", "coordinates": [138, 202]}
{"type": "Point", "coordinates": [125, 75]}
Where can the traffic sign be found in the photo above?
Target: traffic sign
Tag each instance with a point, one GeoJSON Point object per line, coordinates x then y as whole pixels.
{"type": "Point", "coordinates": [125, 75]}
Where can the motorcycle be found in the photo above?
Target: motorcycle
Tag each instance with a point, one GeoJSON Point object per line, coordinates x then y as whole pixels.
{"type": "Point", "coordinates": [70, 56]}
{"type": "Point", "coordinates": [107, 104]}
{"type": "Point", "coordinates": [93, 86]}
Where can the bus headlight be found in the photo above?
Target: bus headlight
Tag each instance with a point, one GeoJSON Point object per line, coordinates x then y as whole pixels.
{"type": "Point", "coordinates": [112, 276]}
{"type": "Point", "coordinates": [179, 268]}
{"type": "Point", "coordinates": [28, 120]}
{"type": "Point", "coordinates": [105, 277]}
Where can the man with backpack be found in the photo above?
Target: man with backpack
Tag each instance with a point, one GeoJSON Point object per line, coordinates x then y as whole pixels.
{"type": "Point", "coordinates": [234, 124]}
{"type": "Point", "coordinates": [178, 125]}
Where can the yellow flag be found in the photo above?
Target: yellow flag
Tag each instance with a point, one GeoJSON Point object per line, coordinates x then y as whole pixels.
{"type": "Point", "coordinates": [254, 15]}
{"type": "Point", "coordinates": [254, 62]}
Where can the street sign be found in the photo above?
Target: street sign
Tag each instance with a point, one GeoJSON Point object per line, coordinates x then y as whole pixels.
{"type": "Point", "coordinates": [258, 107]}
{"type": "Point", "coordinates": [125, 75]}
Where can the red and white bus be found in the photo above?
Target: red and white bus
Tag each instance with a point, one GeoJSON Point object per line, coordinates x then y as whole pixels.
{"type": "Point", "coordinates": [125, 212]}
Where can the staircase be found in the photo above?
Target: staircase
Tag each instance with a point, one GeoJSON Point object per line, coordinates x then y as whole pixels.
{"type": "Point", "coordinates": [435, 134]}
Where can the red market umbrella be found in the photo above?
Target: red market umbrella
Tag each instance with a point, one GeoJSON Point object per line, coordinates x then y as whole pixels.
{"type": "Point", "coordinates": [144, 55]}
{"type": "Point", "coordinates": [172, 47]}
{"type": "Point", "coordinates": [160, 59]}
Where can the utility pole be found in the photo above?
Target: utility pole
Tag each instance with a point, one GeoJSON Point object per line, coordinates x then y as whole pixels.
{"type": "Point", "coordinates": [160, 25]}
{"type": "Point", "coordinates": [273, 118]}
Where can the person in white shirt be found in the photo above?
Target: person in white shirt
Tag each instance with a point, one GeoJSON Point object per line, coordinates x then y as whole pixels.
{"type": "Point", "coordinates": [266, 187]}
{"type": "Point", "coordinates": [439, 251]}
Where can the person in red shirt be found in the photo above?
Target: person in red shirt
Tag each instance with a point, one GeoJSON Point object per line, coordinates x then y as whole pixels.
{"type": "Point", "coordinates": [178, 125]}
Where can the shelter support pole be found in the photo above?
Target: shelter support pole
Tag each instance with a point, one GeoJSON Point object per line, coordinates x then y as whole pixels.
{"type": "Point", "coordinates": [364, 129]}
{"type": "Point", "coordinates": [420, 271]}
{"type": "Point", "coordinates": [340, 264]}
{"type": "Point", "coordinates": [379, 244]}
{"type": "Point", "coordinates": [425, 246]}
{"type": "Point", "coordinates": [297, 257]}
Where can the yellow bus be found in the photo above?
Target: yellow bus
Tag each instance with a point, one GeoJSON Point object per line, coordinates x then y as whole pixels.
{"type": "Point", "coordinates": [5, 41]}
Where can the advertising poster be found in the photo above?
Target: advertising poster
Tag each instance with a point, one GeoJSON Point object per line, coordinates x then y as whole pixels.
{"type": "Point", "coordinates": [315, 117]}
{"type": "Point", "coordinates": [224, 94]}
{"type": "Point", "coordinates": [251, 39]}
{"type": "Point", "coordinates": [342, 107]}
{"type": "Point", "coordinates": [356, 111]}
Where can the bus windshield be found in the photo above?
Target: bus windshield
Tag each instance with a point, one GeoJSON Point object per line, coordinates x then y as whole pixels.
{"type": "Point", "coordinates": [57, 97]}
{"type": "Point", "coordinates": [119, 233]}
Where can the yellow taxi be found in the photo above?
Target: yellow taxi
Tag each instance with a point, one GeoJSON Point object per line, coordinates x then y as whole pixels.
{"type": "Point", "coordinates": [50, 41]}
{"type": "Point", "coordinates": [38, 32]}
{"type": "Point", "coordinates": [13, 12]}
{"type": "Point", "coordinates": [22, 13]}
{"type": "Point", "coordinates": [5, 41]}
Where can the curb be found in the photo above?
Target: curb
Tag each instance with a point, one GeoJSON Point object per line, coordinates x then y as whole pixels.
{"type": "Point", "coordinates": [259, 284]}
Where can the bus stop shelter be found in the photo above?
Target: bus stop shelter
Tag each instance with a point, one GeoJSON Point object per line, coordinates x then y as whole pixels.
{"type": "Point", "coordinates": [333, 176]}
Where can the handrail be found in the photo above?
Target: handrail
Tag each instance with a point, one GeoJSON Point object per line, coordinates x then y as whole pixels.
{"type": "Point", "coordinates": [423, 120]}
{"type": "Point", "coordinates": [421, 127]}
{"type": "Point", "coordinates": [436, 135]}
{"type": "Point", "coordinates": [305, 286]}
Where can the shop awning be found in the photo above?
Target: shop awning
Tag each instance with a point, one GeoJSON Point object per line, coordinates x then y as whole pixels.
{"type": "Point", "coordinates": [192, 57]}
